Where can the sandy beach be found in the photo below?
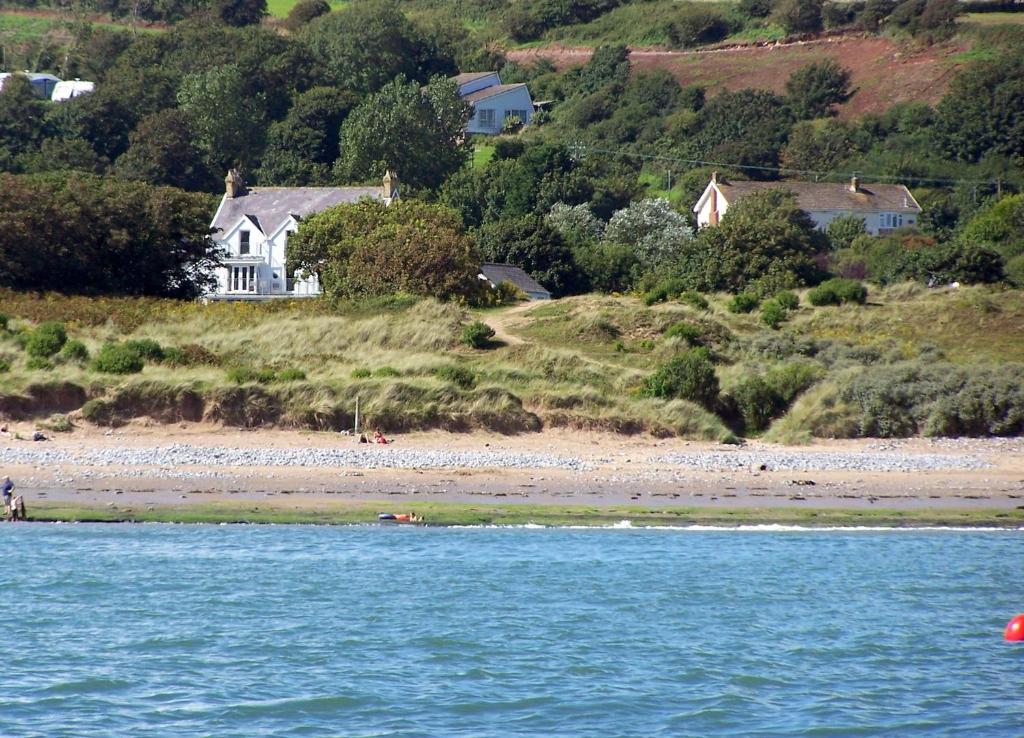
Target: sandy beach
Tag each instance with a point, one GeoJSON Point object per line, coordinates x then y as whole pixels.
{"type": "Point", "coordinates": [149, 466]}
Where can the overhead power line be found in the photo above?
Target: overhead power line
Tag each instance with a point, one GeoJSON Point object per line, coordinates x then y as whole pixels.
{"type": "Point", "coordinates": [580, 148]}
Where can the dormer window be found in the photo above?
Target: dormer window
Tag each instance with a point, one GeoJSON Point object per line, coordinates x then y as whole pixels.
{"type": "Point", "coordinates": [243, 243]}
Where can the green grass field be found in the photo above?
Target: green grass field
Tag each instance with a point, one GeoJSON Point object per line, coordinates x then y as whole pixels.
{"type": "Point", "coordinates": [992, 19]}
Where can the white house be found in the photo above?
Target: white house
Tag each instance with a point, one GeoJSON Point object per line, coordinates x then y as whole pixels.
{"type": "Point", "coordinates": [252, 226]}
{"type": "Point", "coordinates": [64, 91]}
{"type": "Point", "coordinates": [493, 102]}
{"type": "Point", "coordinates": [884, 207]}
{"type": "Point", "coordinates": [42, 83]}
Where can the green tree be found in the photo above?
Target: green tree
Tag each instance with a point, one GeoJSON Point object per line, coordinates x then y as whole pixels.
{"type": "Point", "coordinates": [688, 376]}
{"type": "Point", "coordinates": [419, 135]}
{"type": "Point", "coordinates": [983, 112]}
{"type": "Point", "coordinates": [843, 230]}
{"type": "Point", "coordinates": [747, 127]}
{"type": "Point", "coordinates": [78, 233]}
{"type": "Point", "coordinates": [304, 11]}
{"type": "Point", "coordinates": [241, 12]}
{"type": "Point", "coordinates": [814, 90]}
{"type": "Point", "coordinates": [368, 248]}
{"type": "Point", "coordinates": [537, 248]}
{"type": "Point", "coordinates": [999, 225]}
{"type": "Point", "coordinates": [367, 44]}
{"type": "Point", "coordinates": [764, 243]}
{"type": "Point", "coordinates": [822, 145]}
{"type": "Point", "coordinates": [229, 124]}
{"type": "Point", "coordinates": [21, 117]}
{"type": "Point", "coordinates": [609, 64]}
{"type": "Point", "coordinates": [799, 16]}
{"type": "Point", "coordinates": [162, 150]}
{"type": "Point", "coordinates": [302, 148]}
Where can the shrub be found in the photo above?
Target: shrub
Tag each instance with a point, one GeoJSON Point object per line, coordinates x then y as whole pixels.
{"type": "Point", "coordinates": [773, 314]}
{"type": "Point", "coordinates": [304, 11]}
{"type": "Point", "coordinates": [4, 320]}
{"type": "Point", "coordinates": [694, 300]}
{"type": "Point", "coordinates": [47, 339]}
{"type": "Point", "coordinates": [147, 348]}
{"type": "Point", "coordinates": [38, 363]}
{"type": "Point", "coordinates": [192, 354]}
{"type": "Point", "coordinates": [387, 371]}
{"type": "Point", "coordinates": [755, 402]}
{"type": "Point", "coordinates": [788, 300]}
{"type": "Point", "coordinates": [457, 375]}
{"type": "Point", "coordinates": [291, 375]}
{"type": "Point", "coordinates": [477, 335]}
{"type": "Point", "coordinates": [689, 376]}
{"type": "Point", "coordinates": [74, 351]}
{"type": "Point", "coordinates": [246, 375]}
{"type": "Point", "coordinates": [5, 366]}
{"type": "Point", "coordinates": [1015, 270]}
{"type": "Point", "coordinates": [697, 26]}
{"type": "Point", "coordinates": [837, 291]}
{"type": "Point", "coordinates": [667, 289]}
{"type": "Point", "coordinates": [174, 356]}
{"type": "Point", "coordinates": [744, 302]}
{"type": "Point", "coordinates": [118, 358]}
{"type": "Point", "coordinates": [689, 332]}
{"type": "Point", "coordinates": [791, 380]}
{"type": "Point", "coordinates": [360, 373]}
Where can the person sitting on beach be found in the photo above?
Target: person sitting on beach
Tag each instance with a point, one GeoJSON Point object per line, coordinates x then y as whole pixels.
{"type": "Point", "coordinates": [378, 437]}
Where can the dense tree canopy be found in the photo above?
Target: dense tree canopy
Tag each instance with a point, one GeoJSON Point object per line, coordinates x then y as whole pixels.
{"type": "Point", "coordinates": [90, 235]}
{"type": "Point", "coordinates": [369, 248]}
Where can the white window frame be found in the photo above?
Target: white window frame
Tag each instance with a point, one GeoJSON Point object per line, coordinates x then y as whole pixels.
{"type": "Point", "coordinates": [892, 221]}
{"type": "Point", "coordinates": [486, 117]}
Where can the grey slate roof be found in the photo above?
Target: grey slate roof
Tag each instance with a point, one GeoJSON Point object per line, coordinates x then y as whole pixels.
{"type": "Point", "coordinates": [461, 79]}
{"type": "Point", "coordinates": [269, 207]}
{"type": "Point", "coordinates": [831, 195]}
{"type": "Point", "coordinates": [490, 92]}
{"type": "Point", "coordinates": [498, 273]}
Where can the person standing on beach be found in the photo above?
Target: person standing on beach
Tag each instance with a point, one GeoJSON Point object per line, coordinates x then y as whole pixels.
{"type": "Point", "coordinates": [8, 488]}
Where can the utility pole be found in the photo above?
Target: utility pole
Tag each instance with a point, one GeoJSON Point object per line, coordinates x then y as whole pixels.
{"type": "Point", "coordinates": [357, 415]}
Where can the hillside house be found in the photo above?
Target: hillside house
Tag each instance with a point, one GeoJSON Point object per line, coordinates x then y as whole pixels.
{"type": "Point", "coordinates": [495, 274]}
{"type": "Point", "coordinates": [884, 207]}
{"type": "Point", "coordinates": [42, 83]}
{"type": "Point", "coordinates": [252, 226]}
{"type": "Point", "coordinates": [492, 102]}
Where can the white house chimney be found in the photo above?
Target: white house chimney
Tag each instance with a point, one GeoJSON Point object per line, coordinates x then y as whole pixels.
{"type": "Point", "coordinates": [855, 183]}
{"type": "Point", "coordinates": [234, 185]}
{"type": "Point", "coordinates": [390, 190]}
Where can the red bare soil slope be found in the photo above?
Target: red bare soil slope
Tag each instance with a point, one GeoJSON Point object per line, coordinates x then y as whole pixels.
{"type": "Point", "coordinates": [885, 72]}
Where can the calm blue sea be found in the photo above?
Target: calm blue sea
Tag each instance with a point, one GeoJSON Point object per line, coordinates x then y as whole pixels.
{"type": "Point", "coordinates": [152, 630]}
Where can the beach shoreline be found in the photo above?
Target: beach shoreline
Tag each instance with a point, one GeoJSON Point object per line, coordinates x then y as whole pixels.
{"type": "Point", "coordinates": [203, 473]}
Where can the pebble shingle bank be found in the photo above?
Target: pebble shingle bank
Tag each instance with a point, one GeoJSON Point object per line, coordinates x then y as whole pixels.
{"type": "Point", "coordinates": [790, 461]}
{"type": "Point", "coordinates": [360, 457]}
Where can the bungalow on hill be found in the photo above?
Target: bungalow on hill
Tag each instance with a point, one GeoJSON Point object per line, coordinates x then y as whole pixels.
{"type": "Point", "coordinates": [493, 103]}
{"type": "Point", "coordinates": [884, 207]}
{"type": "Point", "coordinates": [495, 274]}
{"type": "Point", "coordinates": [252, 226]}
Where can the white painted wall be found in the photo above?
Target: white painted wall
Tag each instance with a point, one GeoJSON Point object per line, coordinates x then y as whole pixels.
{"type": "Point", "coordinates": [269, 255]}
{"type": "Point", "coordinates": [502, 105]}
{"type": "Point", "coordinates": [874, 221]}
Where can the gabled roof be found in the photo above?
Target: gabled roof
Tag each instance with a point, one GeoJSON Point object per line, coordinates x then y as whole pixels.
{"type": "Point", "coordinates": [491, 91]}
{"type": "Point", "coordinates": [498, 273]}
{"type": "Point", "coordinates": [814, 196]}
{"type": "Point", "coordinates": [269, 207]}
{"type": "Point", "coordinates": [467, 77]}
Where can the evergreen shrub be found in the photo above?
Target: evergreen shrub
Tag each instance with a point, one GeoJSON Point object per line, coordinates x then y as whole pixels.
{"type": "Point", "coordinates": [477, 335]}
{"type": "Point", "coordinates": [74, 350]}
{"type": "Point", "coordinates": [47, 339]}
{"type": "Point", "coordinates": [688, 376]}
{"type": "Point", "coordinates": [744, 302]}
{"type": "Point", "coordinates": [118, 358]}
{"type": "Point", "coordinates": [460, 376]}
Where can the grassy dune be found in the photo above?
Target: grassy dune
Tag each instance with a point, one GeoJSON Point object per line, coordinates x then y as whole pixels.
{"type": "Point", "coordinates": [578, 363]}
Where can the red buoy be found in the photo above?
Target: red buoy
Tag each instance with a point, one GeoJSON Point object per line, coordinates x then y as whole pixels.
{"type": "Point", "coordinates": [1015, 628]}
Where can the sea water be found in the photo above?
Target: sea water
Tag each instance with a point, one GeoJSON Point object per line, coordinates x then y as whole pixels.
{"type": "Point", "coordinates": [152, 630]}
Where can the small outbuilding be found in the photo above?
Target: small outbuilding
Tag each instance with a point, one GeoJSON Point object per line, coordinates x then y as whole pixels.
{"type": "Point", "coordinates": [68, 89]}
{"type": "Point", "coordinates": [495, 274]}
